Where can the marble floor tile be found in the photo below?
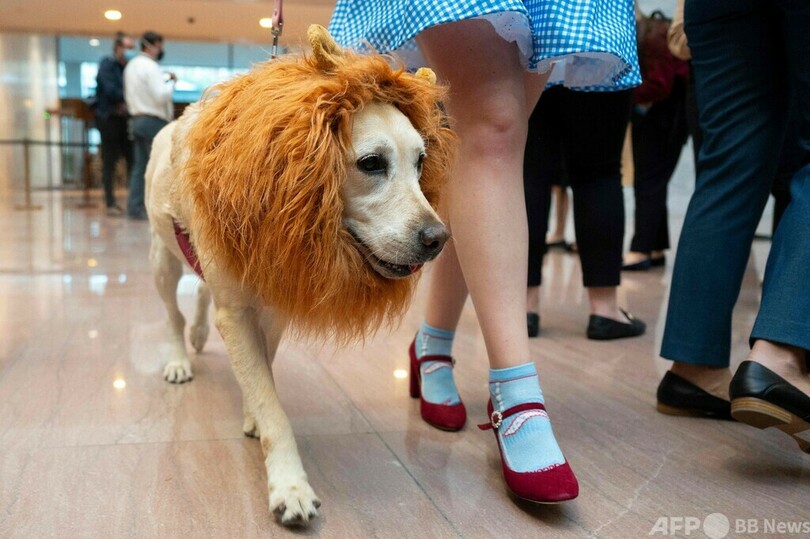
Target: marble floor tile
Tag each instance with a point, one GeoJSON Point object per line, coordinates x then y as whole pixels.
{"type": "Point", "coordinates": [93, 443]}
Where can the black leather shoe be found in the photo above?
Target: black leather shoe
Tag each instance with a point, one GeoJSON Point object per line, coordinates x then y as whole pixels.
{"type": "Point", "coordinates": [533, 324]}
{"type": "Point", "coordinates": [642, 265]}
{"type": "Point", "coordinates": [677, 396]}
{"type": "Point", "coordinates": [601, 328]}
{"type": "Point", "coordinates": [658, 262]}
{"type": "Point", "coordinates": [762, 399]}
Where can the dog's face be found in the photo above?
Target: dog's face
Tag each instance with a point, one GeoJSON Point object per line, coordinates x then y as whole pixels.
{"type": "Point", "coordinates": [395, 227]}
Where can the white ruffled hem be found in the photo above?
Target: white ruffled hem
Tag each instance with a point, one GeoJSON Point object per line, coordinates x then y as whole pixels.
{"type": "Point", "coordinates": [576, 70]}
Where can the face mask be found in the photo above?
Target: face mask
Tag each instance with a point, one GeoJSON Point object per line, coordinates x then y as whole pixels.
{"type": "Point", "coordinates": [129, 54]}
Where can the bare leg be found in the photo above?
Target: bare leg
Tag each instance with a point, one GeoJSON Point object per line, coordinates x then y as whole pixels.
{"type": "Point", "coordinates": [560, 195]}
{"type": "Point", "coordinates": [533, 299]}
{"type": "Point", "coordinates": [448, 291]}
{"type": "Point", "coordinates": [604, 302]}
{"type": "Point", "coordinates": [485, 199]}
{"type": "Point", "coordinates": [712, 380]}
{"type": "Point", "coordinates": [633, 257]}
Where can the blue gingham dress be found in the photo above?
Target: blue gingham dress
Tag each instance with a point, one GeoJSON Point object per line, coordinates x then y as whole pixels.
{"type": "Point", "coordinates": [588, 44]}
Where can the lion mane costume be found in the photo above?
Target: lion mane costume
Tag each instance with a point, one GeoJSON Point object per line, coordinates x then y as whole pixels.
{"type": "Point", "coordinates": [266, 158]}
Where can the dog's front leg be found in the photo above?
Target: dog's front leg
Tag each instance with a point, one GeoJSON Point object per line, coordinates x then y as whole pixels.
{"type": "Point", "coordinates": [251, 349]}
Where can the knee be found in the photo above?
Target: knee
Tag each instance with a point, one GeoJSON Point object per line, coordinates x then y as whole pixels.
{"type": "Point", "coordinates": [494, 126]}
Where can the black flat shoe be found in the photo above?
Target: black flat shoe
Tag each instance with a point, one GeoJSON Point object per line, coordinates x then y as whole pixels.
{"type": "Point", "coordinates": [677, 396]}
{"type": "Point", "coordinates": [533, 324]}
{"type": "Point", "coordinates": [601, 328]}
{"type": "Point", "coordinates": [642, 265]}
{"type": "Point", "coordinates": [762, 399]}
{"type": "Point", "coordinates": [658, 262]}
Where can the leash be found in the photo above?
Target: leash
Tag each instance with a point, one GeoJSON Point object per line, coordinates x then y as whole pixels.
{"type": "Point", "coordinates": [277, 25]}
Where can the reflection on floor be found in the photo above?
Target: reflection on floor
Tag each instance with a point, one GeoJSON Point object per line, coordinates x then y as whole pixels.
{"type": "Point", "coordinates": [95, 444]}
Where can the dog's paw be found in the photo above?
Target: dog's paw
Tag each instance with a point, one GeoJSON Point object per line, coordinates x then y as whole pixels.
{"type": "Point", "coordinates": [198, 335]}
{"type": "Point", "coordinates": [178, 371]}
{"type": "Point", "coordinates": [294, 504]}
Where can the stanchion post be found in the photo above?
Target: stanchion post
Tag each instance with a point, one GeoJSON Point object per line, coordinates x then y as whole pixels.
{"type": "Point", "coordinates": [27, 166]}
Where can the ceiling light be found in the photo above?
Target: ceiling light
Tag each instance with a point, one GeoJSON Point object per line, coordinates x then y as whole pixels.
{"type": "Point", "coordinates": [95, 42]}
{"type": "Point", "coordinates": [113, 14]}
{"type": "Point", "coordinates": [266, 22]}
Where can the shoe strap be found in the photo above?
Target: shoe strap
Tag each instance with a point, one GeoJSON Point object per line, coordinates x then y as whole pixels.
{"type": "Point", "coordinates": [446, 359]}
{"type": "Point", "coordinates": [496, 417]}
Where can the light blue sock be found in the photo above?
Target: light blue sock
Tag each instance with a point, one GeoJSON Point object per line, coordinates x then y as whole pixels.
{"type": "Point", "coordinates": [527, 440]}
{"type": "Point", "coordinates": [438, 386]}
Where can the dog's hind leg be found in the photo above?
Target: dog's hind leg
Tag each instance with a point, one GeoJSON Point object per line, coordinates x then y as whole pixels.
{"type": "Point", "coordinates": [198, 334]}
{"type": "Point", "coordinates": [167, 270]}
{"type": "Point", "coordinates": [249, 426]}
{"type": "Point", "coordinates": [252, 339]}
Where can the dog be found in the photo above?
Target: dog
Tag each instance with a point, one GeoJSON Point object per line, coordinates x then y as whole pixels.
{"type": "Point", "coordinates": [304, 194]}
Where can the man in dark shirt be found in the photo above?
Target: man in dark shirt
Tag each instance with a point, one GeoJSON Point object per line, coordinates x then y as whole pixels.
{"type": "Point", "coordinates": [111, 116]}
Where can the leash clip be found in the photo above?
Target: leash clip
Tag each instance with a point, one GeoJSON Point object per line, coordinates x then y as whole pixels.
{"type": "Point", "coordinates": [276, 27]}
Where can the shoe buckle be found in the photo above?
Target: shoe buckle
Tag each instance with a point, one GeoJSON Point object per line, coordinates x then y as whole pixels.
{"type": "Point", "coordinates": [495, 419]}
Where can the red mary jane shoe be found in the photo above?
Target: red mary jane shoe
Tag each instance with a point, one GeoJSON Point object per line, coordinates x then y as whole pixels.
{"type": "Point", "coordinates": [554, 484]}
{"type": "Point", "coordinates": [442, 416]}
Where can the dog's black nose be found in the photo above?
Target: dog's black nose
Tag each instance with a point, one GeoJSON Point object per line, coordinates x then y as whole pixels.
{"type": "Point", "coordinates": [433, 237]}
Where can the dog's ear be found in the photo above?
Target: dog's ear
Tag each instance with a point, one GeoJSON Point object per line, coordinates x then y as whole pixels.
{"type": "Point", "coordinates": [327, 53]}
{"type": "Point", "coordinates": [427, 74]}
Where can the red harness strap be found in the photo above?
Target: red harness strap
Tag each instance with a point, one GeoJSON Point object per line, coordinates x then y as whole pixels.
{"type": "Point", "coordinates": [184, 242]}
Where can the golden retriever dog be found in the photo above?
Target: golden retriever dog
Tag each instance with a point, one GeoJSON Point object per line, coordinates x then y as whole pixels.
{"type": "Point", "coordinates": [303, 193]}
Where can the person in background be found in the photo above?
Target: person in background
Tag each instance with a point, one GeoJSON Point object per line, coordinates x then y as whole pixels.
{"type": "Point", "coordinates": [582, 132]}
{"type": "Point", "coordinates": [659, 132]}
{"type": "Point", "coordinates": [148, 92]}
{"type": "Point", "coordinates": [559, 194]}
{"type": "Point", "coordinates": [749, 59]}
{"type": "Point", "coordinates": [111, 116]}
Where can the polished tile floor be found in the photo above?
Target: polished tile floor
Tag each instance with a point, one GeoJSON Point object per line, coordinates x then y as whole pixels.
{"type": "Point", "coordinates": [93, 443]}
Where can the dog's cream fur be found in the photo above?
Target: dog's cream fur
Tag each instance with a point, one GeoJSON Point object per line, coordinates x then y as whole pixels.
{"type": "Point", "coordinates": [386, 221]}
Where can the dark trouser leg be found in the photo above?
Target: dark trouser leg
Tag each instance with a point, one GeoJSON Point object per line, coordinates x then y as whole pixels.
{"type": "Point", "coordinates": [144, 130]}
{"type": "Point", "coordinates": [658, 137]}
{"type": "Point", "coordinates": [784, 316]}
{"type": "Point", "coordinates": [110, 152]}
{"type": "Point", "coordinates": [541, 162]}
{"type": "Point", "coordinates": [594, 133]}
{"type": "Point", "coordinates": [737, 58]}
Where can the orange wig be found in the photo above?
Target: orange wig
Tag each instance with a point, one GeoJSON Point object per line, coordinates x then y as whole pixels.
{"type": "Point", "coordinates": [267, 159]}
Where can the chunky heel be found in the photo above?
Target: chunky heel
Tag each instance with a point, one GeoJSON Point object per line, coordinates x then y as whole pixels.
{"type": "Point", "coordinates": [763, 399]}
{"type": "Point", "coordinates": [414, 378]}
{"type": "Point", "coordinates": [442, 416]}
{"type": "Point", "coordinates": [764, 415]}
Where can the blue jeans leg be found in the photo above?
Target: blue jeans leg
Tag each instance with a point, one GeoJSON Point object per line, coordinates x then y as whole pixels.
{"type": "Point", "coordinates": [784, 316]}
{"type": "Point", "coordinates": [144, 129]}
{"type": "Point", "coordinates": [741, 91]}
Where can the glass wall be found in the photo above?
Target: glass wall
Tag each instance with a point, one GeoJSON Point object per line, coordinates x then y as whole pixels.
{"type": "Point", "coordinates": [28, 90]}
{"type": "Point", "coordinates": [197, 65]}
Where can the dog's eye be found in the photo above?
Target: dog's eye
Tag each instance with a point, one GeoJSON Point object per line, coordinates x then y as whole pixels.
{"type": "Point", "coordinates": [372, 164]}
